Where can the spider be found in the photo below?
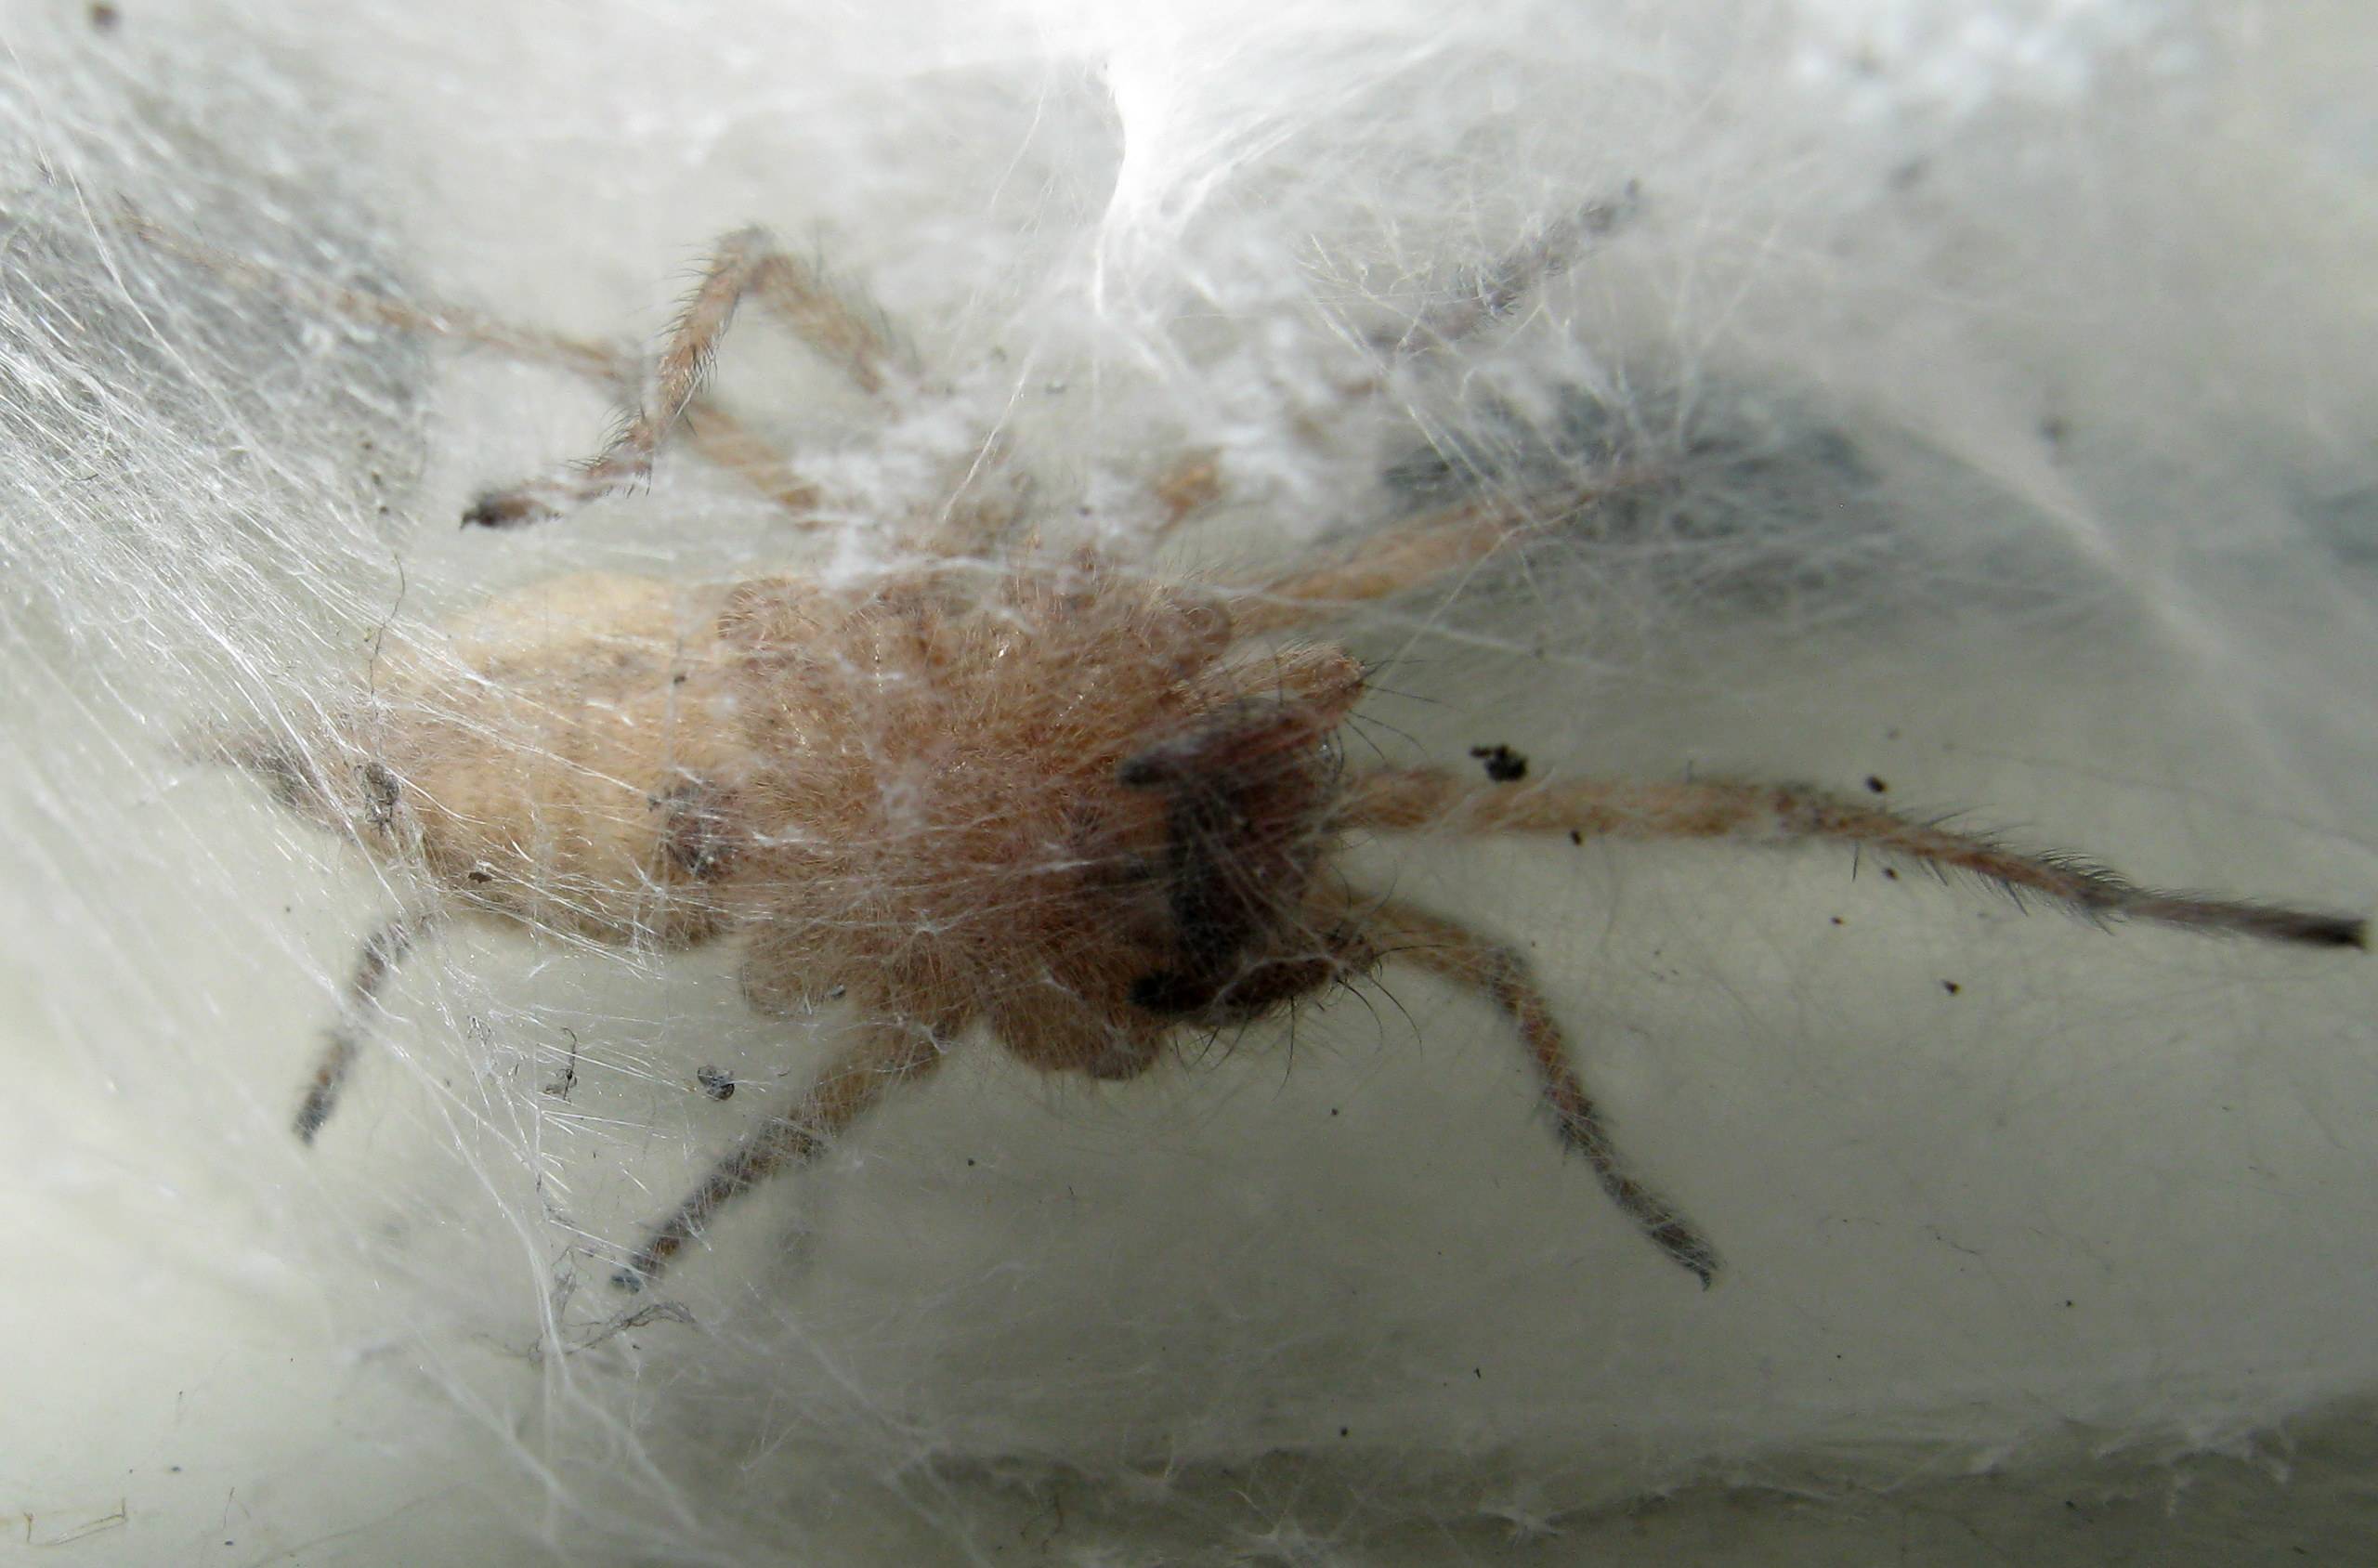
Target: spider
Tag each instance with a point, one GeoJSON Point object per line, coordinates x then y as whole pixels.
{"type": "Point", "coordinates": [988, 789]}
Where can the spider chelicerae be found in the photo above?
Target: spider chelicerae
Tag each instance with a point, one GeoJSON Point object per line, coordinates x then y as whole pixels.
{"type": "Point", "coordinates": [991, 787]}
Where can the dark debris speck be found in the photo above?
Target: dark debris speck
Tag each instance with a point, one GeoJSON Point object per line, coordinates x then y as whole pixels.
{"type": "Point", "coordinates": [1503, 765]}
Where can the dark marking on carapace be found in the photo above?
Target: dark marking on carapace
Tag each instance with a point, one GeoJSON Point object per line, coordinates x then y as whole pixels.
{"type": "Point", "coordinates": [1243, 827]}
{"type": "Point", "coordinates": [698, 835]}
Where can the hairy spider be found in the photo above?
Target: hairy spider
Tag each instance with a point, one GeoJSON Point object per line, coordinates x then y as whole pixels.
{"type": "Point", "coordinates": [988, 788]}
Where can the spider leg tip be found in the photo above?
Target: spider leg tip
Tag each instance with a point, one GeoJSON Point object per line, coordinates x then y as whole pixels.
{"type": "Point", "coordinates": [1700, 1261]}
{"type": "Point", "coordinates": [2324, 930]}
{"type": "Point", "coordinates": [507, 509]}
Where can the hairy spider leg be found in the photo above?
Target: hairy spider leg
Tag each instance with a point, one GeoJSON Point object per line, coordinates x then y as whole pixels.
{"type": "Point", "coordinates": [745, 262]}
{"type": "Point", "coordinates": [840, 322]}
{"type": "Point", "coordinates": [848, 331]}
{"type": "Point", "coordinates": [1417, 799]}
{"type": "Point", "coordinates": [725, 442]}
{"type": "Point", "coordinates": [1439, 541]}
{"type": "Point", "coordinates": [1415, 552]}
{"type": "Point", "coordinates": [1490, 294]}
{"type": "Point", "coordinates": [435, 320]}
{"type": "Point", "coordinates": [1185, 488]}
{"type": "Point", "coordinates": [714, 433]}
{"type": "Point", "coordinates": [888, 1054]}
{"type": "Point", "coordinates": [1405, 933]}
{"type": "Point", "coordinates": [383, 951]}
{"type": "Point", "coordinates": [984, 499]}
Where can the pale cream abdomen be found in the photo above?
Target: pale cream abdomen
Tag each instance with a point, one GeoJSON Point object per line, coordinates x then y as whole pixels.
{"type": "Point", "coordinates": [551, 746]}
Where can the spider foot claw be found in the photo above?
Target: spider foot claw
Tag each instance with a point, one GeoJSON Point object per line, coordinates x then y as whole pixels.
{"type": "Point", "coordinates": [1689, 1248]}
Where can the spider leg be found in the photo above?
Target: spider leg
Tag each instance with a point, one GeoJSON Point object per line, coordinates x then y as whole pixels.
{"type": "Point", "coordinates": [1455, 953]}
{"type": "Point", "coordinates": [1426, 798]}
{"type": "Point", "coordinates": [843, 326]}
{"type": "Point", "coordinates": [985, 498]}
{"type": "Point", "coordinates": [383, 951]}
{"type": "Point", "coordinates": [889, 1054]}
{"type": "Point", "coordinates": [745, 262]}
{"type": "Point", "coordinates": [1488, 294]}
{"type": "Point", "coordinates": [1483, 296]}
{"type": "Point", "coordinates": [1454, 537]}
{"type": "Point", "coordinates": [454, 321]}
{"type": "Point", "coordinates": [1415, 552]}
{"type": "Point", "coordinates": [718, 436]}
{"type": "Point", "coordinates": [1185, 488]}
{"type": "Point", "coordinates": [726, 443]}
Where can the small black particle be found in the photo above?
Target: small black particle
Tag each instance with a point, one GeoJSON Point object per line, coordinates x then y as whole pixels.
{"type": "Point", "coordinates": [1577, 837]}
{"type": "Point", "coordinates": [1345, 1432]}
{"type": "Point", "coordinates": [970, 1164]}
{"type": "Point", "coordinates": [1479, 1373]}
{"type": "Point", "coordinates": [1951, 987]}
{"type": "Point", "coordinates": [1876, 785]}
{"type": "Point", "coordinates": [677, 679]}
{"type": "Point", "coordinates": [1890, 873]}
{"type": "Point", "coordinates": [1836, 919]}
{"type": "Point", "coordinates": [2068, 1303]}
{"type": "Point", "coordinates": [718, 1083]}
{"type": "Point", "coordinates": [1333, 1110]}
{"type": "Point", "coordinates": [1503, 765]}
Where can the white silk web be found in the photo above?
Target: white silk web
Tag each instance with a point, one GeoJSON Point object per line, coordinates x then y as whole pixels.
{"type": "Point", "coordinates": [1995, 386]}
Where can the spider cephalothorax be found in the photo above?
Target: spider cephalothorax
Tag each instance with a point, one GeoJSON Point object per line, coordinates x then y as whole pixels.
{"type": "Point", "coordinates": [1057, 800]}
